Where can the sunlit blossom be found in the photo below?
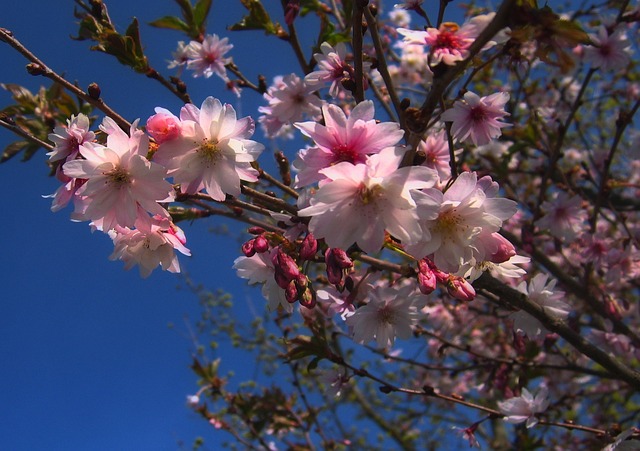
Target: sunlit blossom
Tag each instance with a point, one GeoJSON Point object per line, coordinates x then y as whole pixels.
{"type": "Point", "coordinates": [477, 118]}
{"type": "Point", "coordinates": [213, 151]}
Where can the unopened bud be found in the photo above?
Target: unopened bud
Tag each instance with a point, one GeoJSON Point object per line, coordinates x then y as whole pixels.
{"type": "Point", "coordinates": [460, 288]}
{"type": "Point", "coordinates": [255, 230]}
{"type": "Point", "coordinates": [427, 281]}
{"type": "Point", "coordinates": [260, 244]}
{"type": "Point", "coordinates": [504, 251]}
{"type": "Point", "coordinates": [291, 292]}
{"type": "Point", "coordinates": [307, 298]}
{"type": "Point", "coordinates": [94, 91]}
{"type": "Point", "coordinates": [35, 69]}
{"type": "Point", "coordinates": [285, 264]}
{"type": "Point", "coordinates": [163, 127]}
{"type": "Point", "coordinates": [248, 249]}
{"type": "Point", "coordinates": [309, 247]}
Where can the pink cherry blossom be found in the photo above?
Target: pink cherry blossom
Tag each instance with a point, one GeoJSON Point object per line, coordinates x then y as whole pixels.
{"type": "Point", "coordinates": [67, 140]}
{"type": "Point", "coordinates": [213, 150]}
{"type": "Point", "coordinates": [468, 208]}
{"type": "Point", "coordinates": [477, 118]}
{"type": "Point", "coordinates": [541, 291]}
{"type": "Point", "coordinates": [564, 217]}
{"type": "Point", "coordinates": [163, 126]}
{"type": "Point", "coordinates": [436, 153]}
{"type": "Point", "coordinates": [180, 56]}
{"type": "Point", "coordinates": [525, 407]}
{"type": "Point", "coordinates": [332, 68]}
{"type": "Point", "coordinates": [290, 99]}
{"type": "Point", "coordinates": [343, 138]}
{"type": "Point", "coordinates": [207, 58]}
{"type": "Point", "coordinates": [390, 313]}
{"type": "Point", "coordinates": [359, 202]}
{"type": "Point", "coordinates": [149, 247]}
{"type": "Point", "coordinates": [122, 185]}
{"type": "Point", "coordinates": [450, 43]}
{"type": "Point", "coordinates": [609, 52]}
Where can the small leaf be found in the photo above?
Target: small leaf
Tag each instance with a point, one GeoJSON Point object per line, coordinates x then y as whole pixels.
{"type": "Point", "coordinates": [12, 150]}
{"type": "Point", "coordinates": [200, 13]}
{"type": "Point", "coordinates": [170, 22]}
{"type": "Point", "coordinates": [257, 19]}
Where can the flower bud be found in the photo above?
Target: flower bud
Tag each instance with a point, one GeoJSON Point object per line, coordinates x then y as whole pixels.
{"type": "Point", "coordinates": [460, 288]}
{"type": "Point", "coordinates": [248, 248]}
{"type": "Point", "coordinates": [285, 264]}
{"type": "Point", "coordinates": [307, 298]}
{"type": "Point", "coordinates": [260, 244]}
{"type": "Point", "coordinates": [163, 127]}
{"type": "Point", "coordinates": [426, 278]}
{"type": "Point", "coordinates": [291, 292]}
{"type": "Point", "coordinates": [255, 230]}
{"type": "Point", "coordinates": [505, 249]}
{"type": "Point", "coordinates": [309, 247]}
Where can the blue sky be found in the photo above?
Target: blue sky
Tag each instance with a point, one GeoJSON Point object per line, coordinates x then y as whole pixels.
{"type": "Point", "coordinates": [88, 359]}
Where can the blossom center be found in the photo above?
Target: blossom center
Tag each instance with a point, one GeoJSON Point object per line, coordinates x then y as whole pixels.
{"type": "Point", "coordinates": [209, 151]}
{"type": "Point", "coordinates": [449, 224]}
{"type": "Point", "coordinates": [386, 315]}
{"type": "Point", "coordinates": [447, 38]}
{"type": "Point", "coordinates": [119, 177]}
{"type": "Point", "coordinates": [369, 195]}
{"type": "Point", "coordinates": [477, 114]}
{"type": "Point", "coordinates": [344, 152]}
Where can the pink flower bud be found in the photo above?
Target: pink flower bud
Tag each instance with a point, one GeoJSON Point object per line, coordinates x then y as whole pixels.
{"type": "Point", "coordinates": [291, 292]}
{"type": "Point", "coordinates": [163, 127]}
{"type": "Point", "coordinates": [426, 278]}
{"type": "Point", "coordinates": [260, 244]}
{"type": "Point", "coordinates": [309, 247]}
{"type": "Point", "coordinates": [340, 258]}
{"type": "Point", "coordinates": [505, 249]}
{"type": "Point", "coordinates": [291, 11]}
{"type": "Point", "coordinates": [459, 288]}
{"type": "Point", "coordinates": [307, 298]}
{"type": "Point", "coordinates": [284, 264]}
{"type": "Point", "coordinates": [255, 230]}
{"type": "Point", "coordinates": [248, 248]}
{"type": "Point", "coordinates": [337, 261]}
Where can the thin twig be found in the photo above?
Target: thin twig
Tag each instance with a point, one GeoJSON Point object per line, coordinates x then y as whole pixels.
{"type": "Point", "coordinates": [40, 68]}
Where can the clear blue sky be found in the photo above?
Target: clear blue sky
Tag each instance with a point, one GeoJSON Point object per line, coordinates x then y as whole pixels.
{"type": "Point", "coordinates": [88, 361]}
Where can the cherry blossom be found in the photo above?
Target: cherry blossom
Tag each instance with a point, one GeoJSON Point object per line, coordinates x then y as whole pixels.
{"type": "Point", "coordinates": [477, 118]}
{"type": "Point", "coordinates": [122, 185]}
{"type": "Point", "coordinates": [332, 68]}
{"type": "Point", "coordinates": [525, 407]}
{"type": "Point", "coordinates": [213, 150]}
{"type": "Point", "coordinates": [609, 52]}
{"type": "Point", "coordinates": [343, 138]}
{"type": "Point", "coordinates": [390, 313]}
{"type": "Point", "coordinates": [435, 149]}
{"type": "Point", "coordinates": [468, 208]}
{"type": "Point", "coordinates": [67, 140]}
{"type": "Point", "coordinates": [565, 216]}
{"type": "Point", "coordinates": [290, 99]}
{"type": "Point", "coordinates": [541, 291]}
{"type": "Point", "coordinates": [359, 202]}
{"type": "Point", "coordinates": [149, 247]}
{"type": "Point", "coordinates": [450, 43]}
{"type": "Point", "coordinates": [207, 58]}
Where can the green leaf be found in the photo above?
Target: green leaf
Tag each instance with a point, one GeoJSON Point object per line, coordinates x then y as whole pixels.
{"type": "Point", "coordinates": [257, 19]}
{"type": "Point", "coordinates": [170, 22]}
{"type": "Point", "coordinates": [200, 13]}
{"type": "Point", "coordinates": [12, 150]}
{"type": "Point", "coordinates": [187, 10]}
